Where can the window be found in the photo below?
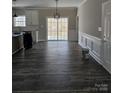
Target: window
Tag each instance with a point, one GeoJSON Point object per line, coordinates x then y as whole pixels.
{"type": "Point", "coordinates": [20, 21]}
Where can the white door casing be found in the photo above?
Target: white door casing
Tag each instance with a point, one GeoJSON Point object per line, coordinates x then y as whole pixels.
{"type": "Point", "coordinates": [57, 29]}
{"type": "Point", "coordinates": [106, 35]}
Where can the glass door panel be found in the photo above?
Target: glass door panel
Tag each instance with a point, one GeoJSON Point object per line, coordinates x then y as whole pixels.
{"type": "Point", "coordinates": [57, 29]}
{"type": "Point", "coordinates": [52, 30]}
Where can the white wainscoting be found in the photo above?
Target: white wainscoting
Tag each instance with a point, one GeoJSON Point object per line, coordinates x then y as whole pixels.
{"type": "Point", "coordinates": [94, 44]}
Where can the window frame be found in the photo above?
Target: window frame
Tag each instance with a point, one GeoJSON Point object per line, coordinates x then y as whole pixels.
{"type": "Point", "coordinates": [20, 21]}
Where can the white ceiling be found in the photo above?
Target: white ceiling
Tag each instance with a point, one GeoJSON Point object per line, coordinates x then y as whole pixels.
{"type": "Point", "coordinates": [46, 3]}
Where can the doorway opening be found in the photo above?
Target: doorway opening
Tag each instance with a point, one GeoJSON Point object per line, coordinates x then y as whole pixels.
{"type": "Point", "coordinates": [57, 29]}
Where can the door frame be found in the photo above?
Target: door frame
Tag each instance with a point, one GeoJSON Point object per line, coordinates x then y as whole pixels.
{"type": "Point", "coordinates": [47, 28]}
{"type": "Point", "coordinates": [107, 65]}
{"type": "Point", "coordinates": [77, 27]}
{"type": "Point", "coordinates": [103, 6]}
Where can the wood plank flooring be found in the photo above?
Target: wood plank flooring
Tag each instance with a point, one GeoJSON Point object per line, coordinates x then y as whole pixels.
{"type": "Point", "coordinates": [57, 67]}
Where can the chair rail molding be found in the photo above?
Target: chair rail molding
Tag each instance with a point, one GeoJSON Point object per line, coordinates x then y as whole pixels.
{"type": "Point", "coordinates": [94, 44]}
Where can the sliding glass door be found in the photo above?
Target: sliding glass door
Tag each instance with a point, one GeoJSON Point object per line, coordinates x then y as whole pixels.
{"type": "Point", "coordinates": [57, 28]}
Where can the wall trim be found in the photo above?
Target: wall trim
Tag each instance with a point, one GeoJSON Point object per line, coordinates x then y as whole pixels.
{"type": "Point", "coordinates": [43, 8]}
{"type": "Point", "coordinates": [41, 40]}
{"type": "Point", "coordinates": [100, 61]}
{"type": "Point", "coordinates": [83, 2]}
{"type": "Point", "coordinates": [95, 51]}
{"type": "Point", "coordinates": [92, 38]}
{"type": "Point", "coordinates": [17, 50]}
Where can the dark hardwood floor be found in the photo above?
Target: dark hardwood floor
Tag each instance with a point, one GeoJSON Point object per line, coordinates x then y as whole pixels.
{"type": "Point", "coordinates": [57, 67]}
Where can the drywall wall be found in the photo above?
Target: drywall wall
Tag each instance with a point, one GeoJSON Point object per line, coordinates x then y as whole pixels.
{"type": "Point", "coordinates": [43, 14]}
{"type": "Point", "coordinates": [90, 17]}
{"type": "Point", "coordinates": [70, 13]}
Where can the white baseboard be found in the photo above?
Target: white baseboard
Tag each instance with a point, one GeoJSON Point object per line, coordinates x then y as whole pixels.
{"type": "Point", "coordinates": [94, 45]}
{"type": "Point", "coordinates": [41, 40]}
{"type": "Point", "coordinates": [17, 50]}
{"type": "Point", "coordinates": [100, 61]}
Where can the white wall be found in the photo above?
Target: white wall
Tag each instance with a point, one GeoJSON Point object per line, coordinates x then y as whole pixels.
{"type": "Point", "coordinates": [90, 17]}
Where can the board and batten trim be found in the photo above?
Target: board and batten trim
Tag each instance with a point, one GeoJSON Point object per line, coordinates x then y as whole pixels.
{"type": "Point", "coordinates": [95, 48]}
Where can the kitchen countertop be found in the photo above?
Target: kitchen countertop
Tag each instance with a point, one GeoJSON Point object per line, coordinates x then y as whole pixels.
{"type": "Point", "coordinates": [17, 34]}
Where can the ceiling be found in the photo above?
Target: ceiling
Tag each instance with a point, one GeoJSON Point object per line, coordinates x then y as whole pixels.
{"type": "Point", "coordinates": [46, 3]}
